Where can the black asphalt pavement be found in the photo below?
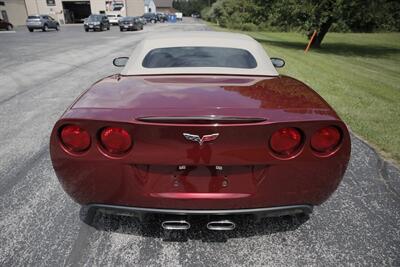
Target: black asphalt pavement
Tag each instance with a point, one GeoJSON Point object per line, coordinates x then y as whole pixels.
{"type": "Point", "coordinates": [41, 73]}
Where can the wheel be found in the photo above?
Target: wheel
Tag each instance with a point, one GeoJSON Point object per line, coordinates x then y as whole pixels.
{"type": "Point", "coordinates": [45, 28]}
{"type": "Point", "coordinates": [9, 28]}
{"type": "Point", "coordinates": [153, 21]}
{"type": "Point", "coordinates": [57, 27]}
{"type": "Point", "coordinates": [86, 30]}
{"type": "Point", "coordinates": [141, 28]}
{"type": "Point", "coordinates": [121, 29]}
{"type": "Point", "coordinates": [101, 28]}
{"type": "Point", "coordinates": [108, 28]}
{"type": "Point", "coordinates": [31, 30]}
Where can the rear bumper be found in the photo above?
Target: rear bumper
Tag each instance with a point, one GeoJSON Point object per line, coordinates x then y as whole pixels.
{"type": "Point", "coordinates": [35, 26]}
{"type": "Point", "coordinates": [258, 212]}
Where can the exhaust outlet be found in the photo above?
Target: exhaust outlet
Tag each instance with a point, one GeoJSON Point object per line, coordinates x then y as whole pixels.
{"type": "Point", "coordinates": [175, 225]}
{"type": "Point", "coordinates": [224, 225]}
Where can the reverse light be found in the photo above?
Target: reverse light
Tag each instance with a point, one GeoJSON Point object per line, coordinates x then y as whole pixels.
{"type": "Point", "coordinates": [326, 139]}
{"type": "Point", "coordinates": [286, 141]}
{"type": "Point", "coordinates": [75, 138]}
{"type": "Point", "coordinates": [115, 140]}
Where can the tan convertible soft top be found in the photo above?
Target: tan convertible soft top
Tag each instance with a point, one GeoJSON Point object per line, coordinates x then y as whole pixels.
{"type": "Point", "coordinates": [199, 38]}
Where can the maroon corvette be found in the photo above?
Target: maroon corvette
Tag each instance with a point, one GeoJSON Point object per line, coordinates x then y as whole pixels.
{"type": "Point", "coordinates": [200, 123]}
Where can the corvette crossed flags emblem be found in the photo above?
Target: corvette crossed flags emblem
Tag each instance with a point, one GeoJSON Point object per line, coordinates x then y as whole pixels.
{"type": "Point", "coordinates": [204, 138]}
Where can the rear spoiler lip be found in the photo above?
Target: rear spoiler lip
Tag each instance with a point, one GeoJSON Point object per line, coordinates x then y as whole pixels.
{"type": "Point", "coordinates": [211, 119]}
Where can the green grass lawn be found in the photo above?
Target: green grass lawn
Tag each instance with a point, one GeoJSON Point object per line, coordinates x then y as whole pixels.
{"type": "Point", "coordinates": [357, 73]}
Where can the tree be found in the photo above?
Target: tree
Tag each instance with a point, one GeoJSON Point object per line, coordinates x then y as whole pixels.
{"type": "Point", "coordinates": [309, 15]}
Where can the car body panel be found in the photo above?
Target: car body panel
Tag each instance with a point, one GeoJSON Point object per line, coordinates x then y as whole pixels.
{"type": "Point", "coordinates": [164, 170]}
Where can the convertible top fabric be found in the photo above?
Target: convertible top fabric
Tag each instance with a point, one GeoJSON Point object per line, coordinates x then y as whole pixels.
{"type": "Point", "coordinates": [204, 39]}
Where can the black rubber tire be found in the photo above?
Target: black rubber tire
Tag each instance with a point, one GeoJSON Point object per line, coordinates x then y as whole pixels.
{"type": "Point", "coordinates": [31, 30]}
{"type": "Point", "coordinates": [108, 28]}
{"type": "Point", "coordinates": [120, 29]}
{"type": "Point", "coordinates": [58, 27]}
{"type": "Point", "coordinates": [153, 21]}
{"type": "Point", "coordinates": [9, 28]}
{"type": "Point", "coordinates": [45, 28]}
{"type": "Point", "coordinates": [86, 30]}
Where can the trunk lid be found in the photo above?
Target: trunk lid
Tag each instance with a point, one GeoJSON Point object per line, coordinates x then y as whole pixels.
{"type": "Point", "coordinates": [268, 98]}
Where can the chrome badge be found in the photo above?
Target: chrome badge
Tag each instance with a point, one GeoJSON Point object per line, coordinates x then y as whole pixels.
{"type": "Point", "coordinates": [204, 138]}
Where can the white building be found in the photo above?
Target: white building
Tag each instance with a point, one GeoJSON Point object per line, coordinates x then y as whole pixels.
{"type": "Point", "coordinates": [149, 6]}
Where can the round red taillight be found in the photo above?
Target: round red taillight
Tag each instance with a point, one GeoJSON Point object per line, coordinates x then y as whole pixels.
{"type": "Point", "coordinates": [115, 140]}
{"type": "Point", "coordinates": [326, 139]}
{"type": "Point", "coordinates": [285, 141]}
{"type": "Point", "coordinates": [74, 138]}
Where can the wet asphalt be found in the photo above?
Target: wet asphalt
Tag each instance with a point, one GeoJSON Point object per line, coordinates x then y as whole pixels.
{"type": "Point", "coordinates": [41, 73]}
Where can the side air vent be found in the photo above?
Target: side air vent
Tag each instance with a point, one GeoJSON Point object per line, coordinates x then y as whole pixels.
{"type": "Point", "coordinates": [202, 119]}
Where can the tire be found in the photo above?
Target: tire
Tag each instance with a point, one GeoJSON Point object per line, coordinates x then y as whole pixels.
{"type": "Point", "coordinates": [31, 30]}
{"type": "Point", "coordinates": [9, 28]}
{"type": "Point", "coordinates": [45, 28]}
{"type": "Point", "coordinates": [86, 30]}
{"type": "Point", "coordinates": [120, 29]}
{"type": "Point", "coordinates": [57, 27]}
{"type": "Point", "coordinates": [153, 21]}
{"type": "Point", "coordinates": [108, 28]}
{"type": "Point", "coordinates": [141, 28]}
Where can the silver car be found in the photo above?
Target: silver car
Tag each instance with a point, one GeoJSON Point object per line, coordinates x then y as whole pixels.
{"type": "Point", "coordinates": [42, 22]}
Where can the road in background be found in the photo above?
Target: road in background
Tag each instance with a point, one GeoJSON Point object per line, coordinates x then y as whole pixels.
{"type": "Point", "coordinates": [41, 73]}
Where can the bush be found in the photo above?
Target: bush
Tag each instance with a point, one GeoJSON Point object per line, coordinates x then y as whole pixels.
{"type": "Point", "coordinates": [250, 27]}
{"type": "Point", "coordinates": [206, 14]}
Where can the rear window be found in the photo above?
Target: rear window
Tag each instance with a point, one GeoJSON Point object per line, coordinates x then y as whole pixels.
{"type": "Point", "coordinates": [33, 17]}
{"type": "Point", "coordinates": [199, 56]}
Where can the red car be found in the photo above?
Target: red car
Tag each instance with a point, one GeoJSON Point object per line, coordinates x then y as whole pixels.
{"type": "Point", "coordinates": [200, 123]}
{"type": "Point", "coordinates": [6, 25]}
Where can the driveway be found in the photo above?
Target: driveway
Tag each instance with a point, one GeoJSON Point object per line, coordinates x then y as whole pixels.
{"type": "Point", "coordinates": [41, 73]}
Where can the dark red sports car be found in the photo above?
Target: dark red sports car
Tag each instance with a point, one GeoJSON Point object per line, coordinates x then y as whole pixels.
{"type": "Point", "coordinates": [200, 123]}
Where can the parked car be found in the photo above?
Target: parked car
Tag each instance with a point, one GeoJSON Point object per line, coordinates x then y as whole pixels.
{"type": "Point", "coordinates": [6, 25]}
{"type": "Point", "coordinates": [130, 23]}
{"type": "Point", "coordinates": [97, 22]}
{"type": "Point", "coordinates": [196, 15]}
{"type": "Point", "coordinates": [205, 126]}
{"type": "Point", "coordinates": [150, 17]}
{"type": "Point", "coordinates": [42, 22]}
{"type": "Point", "coordinates": [143, 20]}
{"type": "Point", "coordinates": [162, 17]}
{"type": "Point", "coordinates": [114, 19]}
{"type": "Point", "coordinates": [179, 16]}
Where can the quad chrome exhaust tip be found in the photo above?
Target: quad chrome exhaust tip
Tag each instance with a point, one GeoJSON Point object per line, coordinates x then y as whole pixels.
{"type": "Point", "coordinates": [175, 225]}
{"type": "Point", "coordinates": [224, 225]}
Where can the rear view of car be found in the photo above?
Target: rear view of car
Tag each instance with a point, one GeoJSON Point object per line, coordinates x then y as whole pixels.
{"type": "Point", "coordinates": [130, 24]}
{"type": "Point", "coordinates": [204, 127]}
{"type": "Point", "coordinates": [41, 22]}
